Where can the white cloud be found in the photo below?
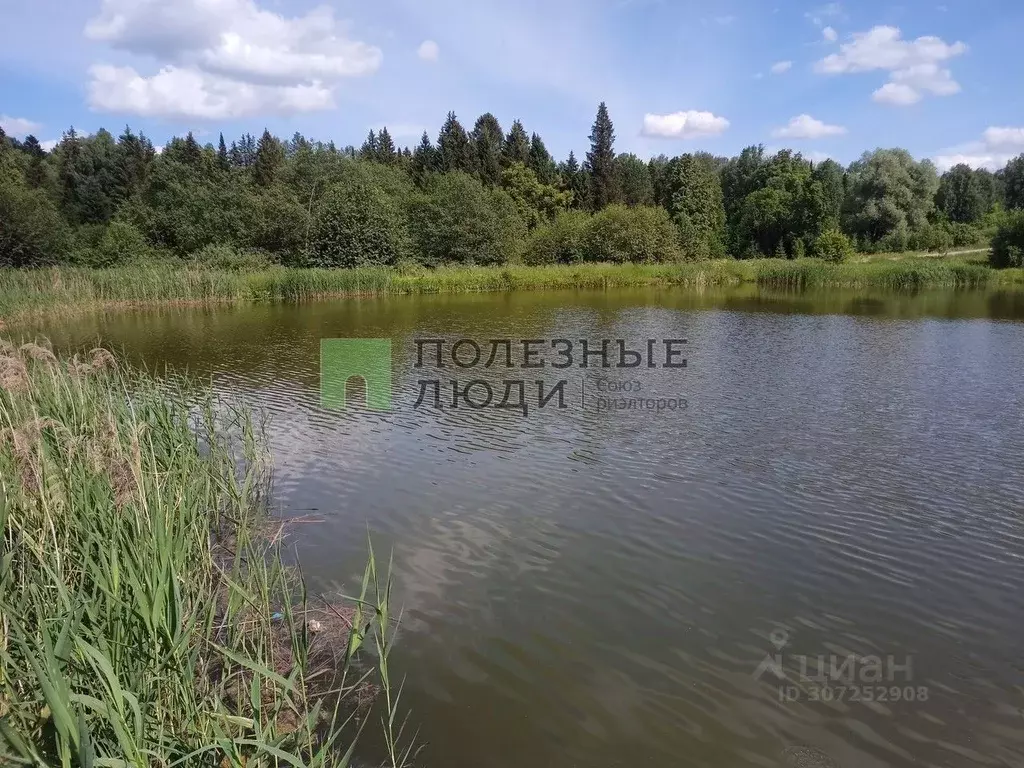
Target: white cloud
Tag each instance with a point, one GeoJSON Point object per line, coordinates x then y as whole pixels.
{"type": "Point", "coordinates": [185, 92]}
{"type": "Point", "coordinates": [1004, 138]}
{"type": "Point", "coordinates": [428, 50]}
{"type": "Point", "coordinates": [913, 65]}
{"type": "Point", "coordinates": [49, 145]}
{"type": "Point", "coordinates": [683, 125]}
{"type": "Point", "coordinates": [18, 126]}
{"type": "Point", "coordinates": [781, 66]}
{"type": "Point", "coordinates": [830, 34]}
{"type": "Point", "coordinates": [997, 146]}
{"type": "Point", "coordinates": [213, 52]}
{"type": "Point", "coordinates": [807, 127]}
{"type": "Point", "coordinates": [897, 94]}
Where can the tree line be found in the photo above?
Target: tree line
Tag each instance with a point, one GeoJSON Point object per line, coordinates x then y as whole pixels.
{"type": "Point", "coordinates": [482, 196]}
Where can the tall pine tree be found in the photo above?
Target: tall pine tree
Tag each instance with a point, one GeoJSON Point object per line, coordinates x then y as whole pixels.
{"type": "Point", "coordinates": [571, 178]}
{"type": "Point", "coordinates": [193, 153]}
{"type": "Point", "coordinates": [486, 143]}
{"type": "Point", "coordinates": [600, 163]}
{"type": "Point", "coordinates": [424, 160]}
{"type": "Point", "coordinates": [222, 154]}
{"type": "Point", "coordinates": [516, 148]}
{"type": "Point", "coordinates": [540, 161]}
{"type": "Point", "coordinates": [453, 146]}
{"type": "Point", "coordinates": [385, 147]}
{"type": "Point", "coordinates": [269, 159]}
{"type": "Point", "coordinates": [369, 149]}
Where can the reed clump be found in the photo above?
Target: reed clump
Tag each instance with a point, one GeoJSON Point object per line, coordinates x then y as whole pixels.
{"type": "Point", "coordinates": [146, 617]}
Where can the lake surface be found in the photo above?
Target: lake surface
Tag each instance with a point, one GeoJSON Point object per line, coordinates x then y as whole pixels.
{"type": "Point", "coordinates": [623, 587]}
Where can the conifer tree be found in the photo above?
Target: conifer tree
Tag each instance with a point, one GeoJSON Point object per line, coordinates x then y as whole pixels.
{"type": "Point", "coordinates": [540, 161]}
{"type": "Point", "coordinates": [385, 147]}
{"type": "Point", "coordinates": [369, 149]}
{"type": "Point", "coordinates": [424, 160]}
{"type": "Point", "coordinates": [453, 146]}
{"type": "Point", "coordinates": [600, 163]}
{"type": "Point", "coordinates": [573, 179]}
{"type": "Point", "coordinates": [486, 140]}
{"type": "Point", "coordinates": [269, 159]}
{"type": "Point", "coordinates": [193, 153]}
{"type": "Point", "coordinates": [516, 148]}
{"type": "Point", "coordinates": [222, 154]}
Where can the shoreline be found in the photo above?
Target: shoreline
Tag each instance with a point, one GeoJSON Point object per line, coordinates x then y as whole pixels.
{"type": "Point", "coordinates": [28, 295]}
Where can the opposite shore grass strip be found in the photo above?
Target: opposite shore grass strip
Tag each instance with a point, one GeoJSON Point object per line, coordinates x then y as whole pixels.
{"type": "Point", "coordinates": [28, 294]}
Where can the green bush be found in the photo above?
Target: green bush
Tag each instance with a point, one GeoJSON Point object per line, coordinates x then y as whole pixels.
{"type": "Point", "coordinates": [221, 256]}
{"type": "Point", "coordinates": [32, 232]}
{"type": "Point", "coordinates": [799, 249]}
{"type": "Point", "coordinates": [937, 238]}
{"type": "Point", "coordinates": [639, 234]}
{"type": "Point", "coordinates": [832, 245]}
{"type": "Point", "coordinates": [896, 241]}
{"type": "Point", "coordinates": [122, 243]}
{"type": "Point", "coordinates": [357, 224]}
{"type": "Point", "coordinates": [561, 241]}
{"type": "Point", "coordinates": [276, 222]}
{"type": "Point", "coordinates": [965, 235]}
{"type": "Point", "coordinates": [457, 219]}
{"type": "Point", "coordinates": [1008, 243]}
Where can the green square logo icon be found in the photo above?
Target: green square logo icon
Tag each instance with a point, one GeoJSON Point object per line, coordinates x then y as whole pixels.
{"type": "Point", "coordinates": [343, 360]}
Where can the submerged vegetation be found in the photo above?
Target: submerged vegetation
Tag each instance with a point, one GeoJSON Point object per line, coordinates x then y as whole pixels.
{"type": "Point", "coordinates": [146, 615]}
{"type": "Point", "coordinates": [28, 294]}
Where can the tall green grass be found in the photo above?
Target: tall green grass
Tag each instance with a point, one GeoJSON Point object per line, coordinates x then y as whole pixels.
{"type": "Point", "coordinates": [146, 615]}
{"type": "Point", "coordinates": [28, 293]}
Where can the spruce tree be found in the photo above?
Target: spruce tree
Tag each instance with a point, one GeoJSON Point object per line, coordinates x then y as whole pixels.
{"type": "Point", "coordinates": [132, 162]}
{"type": "Point", "coordinates": [486, 142]}
{"type": "Point", "coordinates": [516, 148]}
{"type": "Point", "coordinates": [453, 146]}
{"type": "Point", "coordinates": [269, 159]}
{"type": "Point", "coordinates": [193, 153]}
{"type": "Point", "coordinates": [540, 161]}
{"type": "Point", "coordinates": [35, 173]}
{"type": "Point", "coordinates": [70, 150]}
{"type": "Point", "coordinates": [424, 160]}
{"type": "Point", "coordinates": [222, 154]}
{"type": "Point", "coordinates": [369, 149]}
{"type": "Point", "coordinates": [600, 164]}
{"type": "Point", "coordinates": [385, 147]}
{"type": "Point", "coordinates": [696, 205]}
{"type": "Point", "coordinates": [573, 179]}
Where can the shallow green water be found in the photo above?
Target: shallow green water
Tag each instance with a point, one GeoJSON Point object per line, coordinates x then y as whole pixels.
{"type": "Point", "coordinates": [618, 588]}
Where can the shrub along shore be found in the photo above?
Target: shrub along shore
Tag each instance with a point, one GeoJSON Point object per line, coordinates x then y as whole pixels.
{"type": "Point", "coordinates": [26, 295]}
{"type": "Point", "coordinates": [146, 616]}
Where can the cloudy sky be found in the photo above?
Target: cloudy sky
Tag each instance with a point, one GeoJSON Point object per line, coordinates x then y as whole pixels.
{"type": "Point", "coordinates": [942, 79]}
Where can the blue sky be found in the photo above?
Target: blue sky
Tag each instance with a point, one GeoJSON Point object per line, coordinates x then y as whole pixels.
{"type": "Point", "coordinates": [942, 79]}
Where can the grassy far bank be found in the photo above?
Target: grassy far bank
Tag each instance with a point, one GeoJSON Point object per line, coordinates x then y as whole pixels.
{"type": "Point", "coordinates": [146, 616]}
{"type": "Point", "coordinates": [28, 294]}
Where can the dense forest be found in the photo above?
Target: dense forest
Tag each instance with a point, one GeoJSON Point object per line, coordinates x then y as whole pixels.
{"type": "Point", "coordinates": [482, 196]}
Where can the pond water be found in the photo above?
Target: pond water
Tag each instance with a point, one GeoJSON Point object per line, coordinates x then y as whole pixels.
{"type": "Point", "coordinates": [625, 587]}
